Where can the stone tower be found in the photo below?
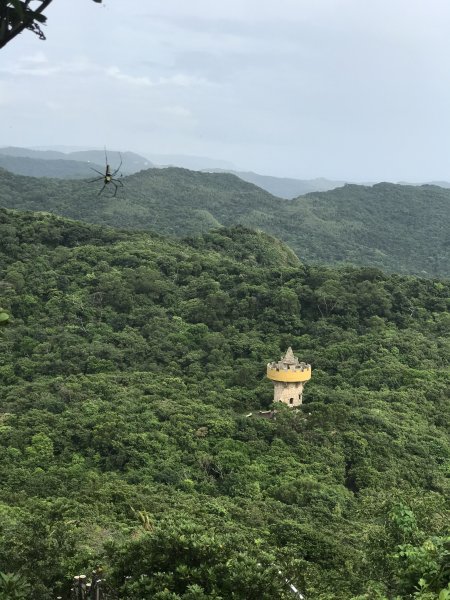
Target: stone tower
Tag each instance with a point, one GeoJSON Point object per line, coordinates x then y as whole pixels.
{"type": "Point", "coordinates": [289, 376]}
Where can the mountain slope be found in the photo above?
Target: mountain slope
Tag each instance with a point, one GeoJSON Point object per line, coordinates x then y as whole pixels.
{"type": "Point", "coordinates": [394, 227]}
{"type": "Point", "coordinates": [170, 201]}
{"type": "Point", "coordinates": [385, 225]}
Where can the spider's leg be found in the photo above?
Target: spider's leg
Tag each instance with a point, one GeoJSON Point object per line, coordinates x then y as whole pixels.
{"type": "Point", "coordinates": [118, 168]}
{"type": "Point", "coordinates": [115, 186]}
{"type": "Point", "coordinates": [104, 185]}
{"type": "Point", "coordinates": [102, 174]}
{"type": "Point", "coordinates": [96, 179]}
{"type": "Point", "coordinates": [117, 181]}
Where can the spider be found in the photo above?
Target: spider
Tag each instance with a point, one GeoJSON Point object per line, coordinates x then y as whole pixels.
{"type": "Point", "coordinates": [108, 177]}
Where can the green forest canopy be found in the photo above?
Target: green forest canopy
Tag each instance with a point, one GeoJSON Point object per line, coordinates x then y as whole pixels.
{"type": "Point", "coordinates": [126, 373]}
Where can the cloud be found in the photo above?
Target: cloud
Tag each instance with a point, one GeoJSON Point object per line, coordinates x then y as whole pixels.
{"type": "Point", "coordinates": [38, 65]}
{"type": "Point", "coordinates": [37, 58]}
{"type": "Point", "coordinates": [21, 70]}
{"type": "Point", "coordinates": [35, 64]}
{"type": "Point", "coordinates": [178, 111]}
{"type": "Point", "coordinates": [178, 79]}
{"type": "Point", "coordinates": [116, 73]}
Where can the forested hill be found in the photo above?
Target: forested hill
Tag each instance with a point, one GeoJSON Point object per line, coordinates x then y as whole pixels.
{"type": "Point", "coordinates": [126, 374]}
{"type": "Point", "coordinates": [403, 229]}
{"type": "Point", "coordinates": [39, 167]}
{"type": "Point", "coordinates": [169, 201]}
{"type": "Point", "coordinates": [389, 224]}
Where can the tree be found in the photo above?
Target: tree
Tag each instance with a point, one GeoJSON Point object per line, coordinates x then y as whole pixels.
{"type": "Point", "coordinates": [18, 15]}
{"type": "Point", "coordinates": [13, 587]}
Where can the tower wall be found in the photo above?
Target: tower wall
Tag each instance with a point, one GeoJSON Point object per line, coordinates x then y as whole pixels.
{"type": "Point", "coordinates": [288, 393]}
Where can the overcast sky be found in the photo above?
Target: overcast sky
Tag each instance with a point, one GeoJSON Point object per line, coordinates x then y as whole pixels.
{"type": "Point", "coordinates": [348, 89]}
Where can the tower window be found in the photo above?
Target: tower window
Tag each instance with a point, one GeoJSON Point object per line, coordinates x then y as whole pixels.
{"type": "Point", "coordinates": [291, 400]}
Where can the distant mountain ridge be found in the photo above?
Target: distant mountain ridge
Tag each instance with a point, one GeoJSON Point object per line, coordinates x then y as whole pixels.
{"type": "Point", "coordinates": [397, 228]}
{"type": "Point", "coordinates": [56, 167]}
{"type": "Point", "coordinates": [443, 184]}
{"type": "Point", "coordinates": [284, 187]}
{"type": "Point", "coordinates": [131, 162]}
{"type": "Point", "coordinates": [78, 164]}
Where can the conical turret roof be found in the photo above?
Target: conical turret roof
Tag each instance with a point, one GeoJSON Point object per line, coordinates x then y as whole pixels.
{"type": "Point", "coordinates": [289, 358]}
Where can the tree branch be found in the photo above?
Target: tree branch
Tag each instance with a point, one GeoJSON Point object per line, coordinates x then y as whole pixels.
{"type": "Point", "coordinates": [19, 16]}
{"type": "Point", "coordinates": [28, 19]}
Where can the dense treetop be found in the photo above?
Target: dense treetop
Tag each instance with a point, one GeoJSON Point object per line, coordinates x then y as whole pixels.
{"type": "Point", "coordinates": [398, 228]}
{"type": "Point", "coordinates": [127, 369]}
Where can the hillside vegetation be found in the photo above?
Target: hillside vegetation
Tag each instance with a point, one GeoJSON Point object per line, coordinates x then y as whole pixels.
{"type": "Point", "coordinates": [126, 374]}
{"type": "Point", "coordinates": [398, 228]}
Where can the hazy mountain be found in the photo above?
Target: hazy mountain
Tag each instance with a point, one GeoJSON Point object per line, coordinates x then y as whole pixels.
{"type": "Point", "coordinates": [131, 162]}
{"type": "Point", "coordinates": [278, 186]}
{"type": "Point", "coordinates": [195, 163]}
{"type": "Point", "coordinates": [40, 167]}
{"type": "Point", "coordinates": [394, 227]}
{"type": "Point", "coordinates": [284, 187]}
{"type": "Point", "coordinates": [444, 184]}
{"type": "Point", "coordinates": [30, 153]}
